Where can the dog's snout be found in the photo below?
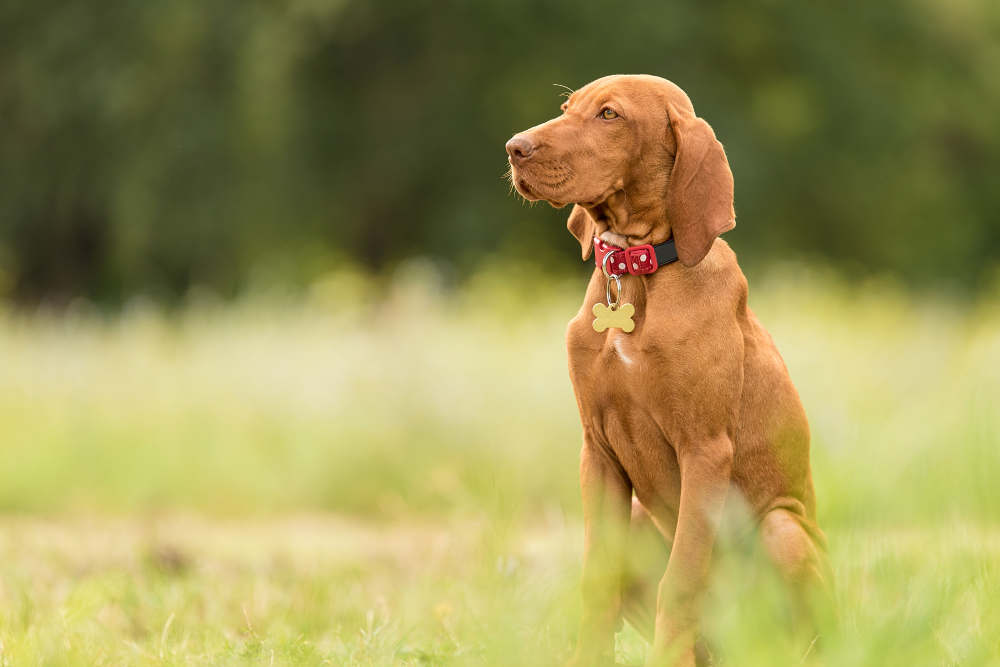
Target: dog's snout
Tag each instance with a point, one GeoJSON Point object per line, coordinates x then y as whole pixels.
{"type": "Point", "coordinates": [520, 148]}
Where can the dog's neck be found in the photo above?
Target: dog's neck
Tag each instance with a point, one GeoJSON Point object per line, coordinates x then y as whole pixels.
{"type": "Point", "coordinates": [630, 217]}
{"type": "Point", "coordinates": [618, 240]}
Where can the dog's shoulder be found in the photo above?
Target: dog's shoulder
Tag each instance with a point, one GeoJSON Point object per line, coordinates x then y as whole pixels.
{"type": "Point", "coordinates": [715, 285]}
{"type": "Point", "coordinates": [721, 265]}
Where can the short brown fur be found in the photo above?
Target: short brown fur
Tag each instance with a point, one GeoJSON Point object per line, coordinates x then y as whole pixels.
{"type": "Point", "coordinates": [692, 410]}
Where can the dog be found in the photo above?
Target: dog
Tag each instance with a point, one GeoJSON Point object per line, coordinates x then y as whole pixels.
{"type": "Point", "coordinates": [685, 401]}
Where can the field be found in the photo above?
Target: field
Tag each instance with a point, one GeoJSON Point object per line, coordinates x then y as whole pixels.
{"type": "Point", "coordinates": [383, 471]}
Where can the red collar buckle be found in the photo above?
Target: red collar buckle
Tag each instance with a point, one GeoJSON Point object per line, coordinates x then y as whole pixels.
{"type": "Point", "coordinates": [638, 260]}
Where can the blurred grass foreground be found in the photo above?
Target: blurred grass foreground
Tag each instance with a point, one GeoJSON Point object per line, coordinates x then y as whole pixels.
{"type": "Point", "coordinates": [334, 477]}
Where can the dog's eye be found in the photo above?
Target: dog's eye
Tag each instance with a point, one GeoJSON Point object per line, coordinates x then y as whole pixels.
{"type": "Point", "coordinates": [608, 114]}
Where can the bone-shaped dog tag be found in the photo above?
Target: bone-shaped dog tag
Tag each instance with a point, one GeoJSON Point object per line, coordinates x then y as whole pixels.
{"type": "Point", "coordinates": [620, 317]}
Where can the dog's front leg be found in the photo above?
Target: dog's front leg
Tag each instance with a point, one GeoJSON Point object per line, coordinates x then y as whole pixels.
{"type": "Point", "coordinates": [705, 476]}
{"type": "Point", "coordinates": [607, 506]}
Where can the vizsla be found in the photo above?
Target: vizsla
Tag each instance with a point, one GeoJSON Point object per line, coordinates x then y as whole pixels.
{"type": "Point", "coordinates": [690, 406]}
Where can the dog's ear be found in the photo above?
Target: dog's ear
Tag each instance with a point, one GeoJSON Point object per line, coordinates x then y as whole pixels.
{"type": "Point", "coordinates": [700, 193]}
{"type": "Point", "coordinates": [581, 225]}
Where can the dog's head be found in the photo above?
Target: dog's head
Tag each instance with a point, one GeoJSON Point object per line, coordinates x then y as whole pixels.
{"type": "Point", "coordinates": [632, 156]}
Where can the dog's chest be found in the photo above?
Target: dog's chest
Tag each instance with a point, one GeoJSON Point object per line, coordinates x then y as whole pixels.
{"type": "Point", "coordinates": [621, 385]}
{"type": "Point", "coordinates": [617, 370]}
{"type": "Point", "coordinates": [607, 362]}
{"type": "Point", "coordinates": [613, 361]}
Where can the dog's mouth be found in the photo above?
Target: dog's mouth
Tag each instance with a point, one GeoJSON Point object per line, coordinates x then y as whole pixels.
{"type": "Point", "coordinates": [524, 189]}
{"type": "Point", "coordinates": [541, 190]}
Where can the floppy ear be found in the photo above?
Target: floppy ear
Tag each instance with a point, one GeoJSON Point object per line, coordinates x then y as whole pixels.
{"type": "Point", "coordinates": [700, 194]}
{"type": "Point", "coordinates": [581, 225]}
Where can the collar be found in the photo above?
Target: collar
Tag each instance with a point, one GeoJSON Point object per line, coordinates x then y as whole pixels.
{"type": "Point", "coordinates": [638, 260]}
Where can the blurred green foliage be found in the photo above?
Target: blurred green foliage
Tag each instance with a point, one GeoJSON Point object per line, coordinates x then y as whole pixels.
{"type": "Point", "coordinates": [152, 146]}
{"type": "Point", "coordinates": [423, 404]}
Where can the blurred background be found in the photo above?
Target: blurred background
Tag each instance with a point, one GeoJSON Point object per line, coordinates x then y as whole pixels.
{"type": "Point", "coordinates": [282, 375]}
{"type": "Point", "coordinates": [153, 147]}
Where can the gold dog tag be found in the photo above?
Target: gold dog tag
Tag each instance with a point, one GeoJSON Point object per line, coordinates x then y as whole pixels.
{"type": "Point", "coordinates": [621, 317]}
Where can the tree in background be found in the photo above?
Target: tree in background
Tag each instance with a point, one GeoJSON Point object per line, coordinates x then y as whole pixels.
{"type": "Point", "coordinates": [150, 147]}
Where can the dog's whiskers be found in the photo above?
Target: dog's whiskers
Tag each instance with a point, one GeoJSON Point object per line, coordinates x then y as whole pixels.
{"type": "Point", "coordinates": [509, 177]}
{"type": "Point", "coordinates": [569, 91]}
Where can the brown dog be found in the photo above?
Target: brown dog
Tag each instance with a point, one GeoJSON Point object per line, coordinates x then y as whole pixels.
{"type": "Point", "coordinates": [694, 408]}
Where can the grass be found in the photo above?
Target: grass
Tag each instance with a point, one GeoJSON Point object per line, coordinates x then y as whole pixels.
{"type": "Point", "coordinates": [346, 478]}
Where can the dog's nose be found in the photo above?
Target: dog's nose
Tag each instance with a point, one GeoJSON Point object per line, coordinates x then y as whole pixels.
{"type": "Point", "coordinates": [520, 148]}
